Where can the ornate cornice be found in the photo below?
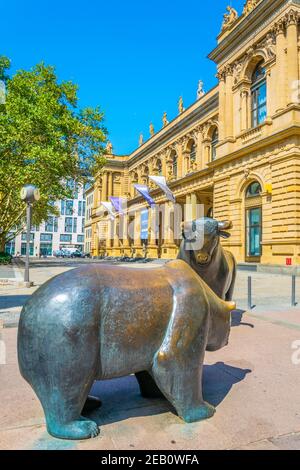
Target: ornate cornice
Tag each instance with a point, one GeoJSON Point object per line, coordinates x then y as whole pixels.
{"type": "Point", "coordinates": [249, 26]}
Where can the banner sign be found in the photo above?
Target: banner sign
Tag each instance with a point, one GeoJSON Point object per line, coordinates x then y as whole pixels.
{"type": "Point", "coordinates": [109, 207]}
{"type": "Point", "coordinates": [160, 181]}
{"type": "Point", "coordinates": [144, 191]}
{"type": "Point", "coordinates": [119, 204]}
{"type": "Point", "coordinates": [144, 224]}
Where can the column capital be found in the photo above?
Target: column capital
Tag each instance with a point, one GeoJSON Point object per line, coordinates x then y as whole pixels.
{"type": "Point", "coordinates": [291, 18]}
{"type": "Point", "coordinates": [279, 27]}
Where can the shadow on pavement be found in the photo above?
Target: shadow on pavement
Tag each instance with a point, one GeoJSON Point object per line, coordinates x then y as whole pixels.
{"type": "Point", "coordinates": [10, 301]}
{"type": "Point", "coordinates": [236, 319]}
{"type": "Point", "coordinates": [121, 398]}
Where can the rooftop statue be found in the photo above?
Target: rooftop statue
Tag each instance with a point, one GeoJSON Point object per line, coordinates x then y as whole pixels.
{"type": "Point", "coordinates": [99, 322]}
{"type": "Point", "coordinates": [165, 120]}
{"type": "Point", "coordinates": [249, 6]}
{"type": "Point", "coordinates": [151, 128]}
{"type": "Point", "coordinates": [229, 17]}
{"type": "Point", "coordinates": [141, 140]}
{"type": "Point", "coordinates": [200, 91]}
{"type": "Point", "coordinates": [180, 105]}
{"type": "Point", "coordinates": [109, 148]}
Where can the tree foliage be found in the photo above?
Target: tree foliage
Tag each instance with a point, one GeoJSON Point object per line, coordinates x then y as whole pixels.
{"type": "Point", "coordinates": [45, 140]}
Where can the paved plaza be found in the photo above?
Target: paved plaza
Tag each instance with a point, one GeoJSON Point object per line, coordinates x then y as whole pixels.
{"type": "Point", "coordinates": [254, 382]}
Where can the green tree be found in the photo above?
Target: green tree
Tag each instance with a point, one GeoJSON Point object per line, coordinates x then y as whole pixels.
{"type": "Point", "coordinates": [45, 140]}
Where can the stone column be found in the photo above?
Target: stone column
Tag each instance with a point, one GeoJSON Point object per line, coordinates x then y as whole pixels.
{"type": "Point", "coordinates": [292, 58]}
{"type": "Point", "coordinates": [110, 185]}
{"type": "Point", "coordinates": [152, 249]}
{"type": "Point", "coordinates": [116, 241]}
{"type": "Point", "coordinates": [126, 245]}
{"type": "Point", "coordinates": [109, 236]}
{"type": "Point", "coordinates": [280, 66]}
{"type": "Point", "coordinates": [137, 235]}
{"type": "Point", "coordinates": [169, 249]}
{"type": "Point", "coordinates": [222, 99]}
{"type": "Point", "coordinates": [229, 103]}
{"type": "Point", "coordinates": [244, 110]}
{"type": "Point", "coordinates": [104, 187]}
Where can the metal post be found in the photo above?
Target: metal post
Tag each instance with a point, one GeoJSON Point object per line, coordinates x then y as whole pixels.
{"type": "Point", "coordinates": [249, 292]}
{"type": "Point", "coordinates": [28, 234]}
{"type": "Point", "coordinates": [294, 303]}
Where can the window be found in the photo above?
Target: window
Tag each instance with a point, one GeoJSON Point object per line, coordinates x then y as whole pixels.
{"type": "Point", "coordinates": [82, 226]}
{"type": "Point", "coordinates": [10, 248]}
{"type": "Point", "coordinates": [69, 207]}
{"type": "Point", "coordinates": [81, 208]}
{"type": "Point", "coordinates": [24, 235]}
{"type": "Point", "coordinates": [75, 225]}
{"type": "Point", "coordinates": [253, 190]}
{"type": "Point", "coordinates": [23, 249]}
{"type": "Point", "coordinates": [254, 232]}
{"type": "Point", "coordinates": [65, 238]}
{"type": "Point", "coordinates": [80, 238]}
{"type": "Point", "coordinates": [193, 153]}
{"type": "Point", "coordinates": [253, 222]}
{"type": "Point", "coordinates": [259, 96]}
{"type": "Point", "coordinates": [68, 224]}
{"type": "Point", "coordinates": [63, 207]}
{"type": "Point", "coordinates": [46, 237]}
{"type": "Point", "coordinates": [51, 225]}
{"type": "Point", "coordinates": [159, 167]}
{"type": "Point", "coordinates": [214, 142]}
{"type": "Point", "coordinates": [175, 165]}
{"type": "Point", "coordinates": [46, 249]}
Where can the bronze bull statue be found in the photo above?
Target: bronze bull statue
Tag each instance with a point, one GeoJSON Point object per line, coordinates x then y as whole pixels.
{"type": "Point", "coordinates": [99, 322]}
{"type": "Point", "coordinates": [202, 250]}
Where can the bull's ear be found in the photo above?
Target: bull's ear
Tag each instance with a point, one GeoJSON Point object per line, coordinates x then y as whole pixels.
{"type": "Point", "coordinates": [224, 234]}
{"type": "Point", "coordinates": [225, 225]}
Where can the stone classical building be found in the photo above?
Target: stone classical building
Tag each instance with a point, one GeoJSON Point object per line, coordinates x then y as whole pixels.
{"type": "Point", "coordinates": [235, 150]}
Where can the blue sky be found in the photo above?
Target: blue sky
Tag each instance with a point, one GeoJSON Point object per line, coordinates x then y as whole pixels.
{"type": "Point", "coordinates": [133, 58]}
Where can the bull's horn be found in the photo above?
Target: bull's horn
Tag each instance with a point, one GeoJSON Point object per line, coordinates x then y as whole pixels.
{"type": "Point", "coordinates": [225, 225]}
{"type": "Point", "coordinates": [231, 306]}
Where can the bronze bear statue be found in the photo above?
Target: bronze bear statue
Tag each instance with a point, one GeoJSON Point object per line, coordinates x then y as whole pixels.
{"type": "Point", "coordinates": [100, 322]}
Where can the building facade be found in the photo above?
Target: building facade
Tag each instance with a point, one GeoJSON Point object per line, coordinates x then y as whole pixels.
{"type": "Point", "coordinates": [65, 231]}
{"type": "Point", "coordinates": [235, 150]}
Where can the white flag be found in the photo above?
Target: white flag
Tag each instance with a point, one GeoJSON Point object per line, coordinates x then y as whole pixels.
{"type": "Point", "coordinates": [160, 181]}
{"type": "Point", "coordinates": [109, 207]}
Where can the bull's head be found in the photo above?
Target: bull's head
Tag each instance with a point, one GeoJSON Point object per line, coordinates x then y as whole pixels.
{"type": "Point", "coordinates": [203, 236]}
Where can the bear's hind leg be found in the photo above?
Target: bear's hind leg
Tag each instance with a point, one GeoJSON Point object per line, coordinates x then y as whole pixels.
{"type": "Point", "coordinates": [63, 409]}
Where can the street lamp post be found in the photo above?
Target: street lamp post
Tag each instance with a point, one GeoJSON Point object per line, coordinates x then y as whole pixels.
{"type": "Point", "coordinates": [29, 194]}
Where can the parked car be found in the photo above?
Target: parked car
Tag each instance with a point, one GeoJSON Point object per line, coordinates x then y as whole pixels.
{"type": "Point", "coordinates": [77, 254]}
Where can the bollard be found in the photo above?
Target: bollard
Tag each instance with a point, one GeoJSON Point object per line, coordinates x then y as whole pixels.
{"type": "Point", "coordinates": [294, 303]}
{"type": "Point", "coordinates": [249, 292]}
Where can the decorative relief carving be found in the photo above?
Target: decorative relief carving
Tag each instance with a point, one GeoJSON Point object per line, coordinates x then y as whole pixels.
{"type": "Point", "coordinates": [249, 6]}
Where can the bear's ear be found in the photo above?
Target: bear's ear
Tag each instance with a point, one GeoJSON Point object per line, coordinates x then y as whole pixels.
{"type": "Point", "coordinates": [224, 234]}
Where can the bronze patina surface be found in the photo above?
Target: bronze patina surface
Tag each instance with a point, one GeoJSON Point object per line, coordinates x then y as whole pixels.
{"type": "Point", "coordinates": [216, 266]}
{"type": "Point", "coordinates": [99, 321]}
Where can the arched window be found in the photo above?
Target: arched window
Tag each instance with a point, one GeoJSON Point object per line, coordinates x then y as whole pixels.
{"type": "Point", "coordinates": [214, 142]}
{"type": "Point", "coordinates": [253, 205]}
{"type": "Point", "coordinates": [193, 153]}
{"type": "Point", "coordinates": [175, 165]}
{"type": "Point", "coordinates": [159, 167]}
{"type": "Point", "coordinates": [259, 96]}
{"type": "Point", "coordinates": [253, 190]}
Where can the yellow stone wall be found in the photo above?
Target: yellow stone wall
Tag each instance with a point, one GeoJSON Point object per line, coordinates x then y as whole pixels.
{"type": "Point", "coordinates": [267, 153]}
